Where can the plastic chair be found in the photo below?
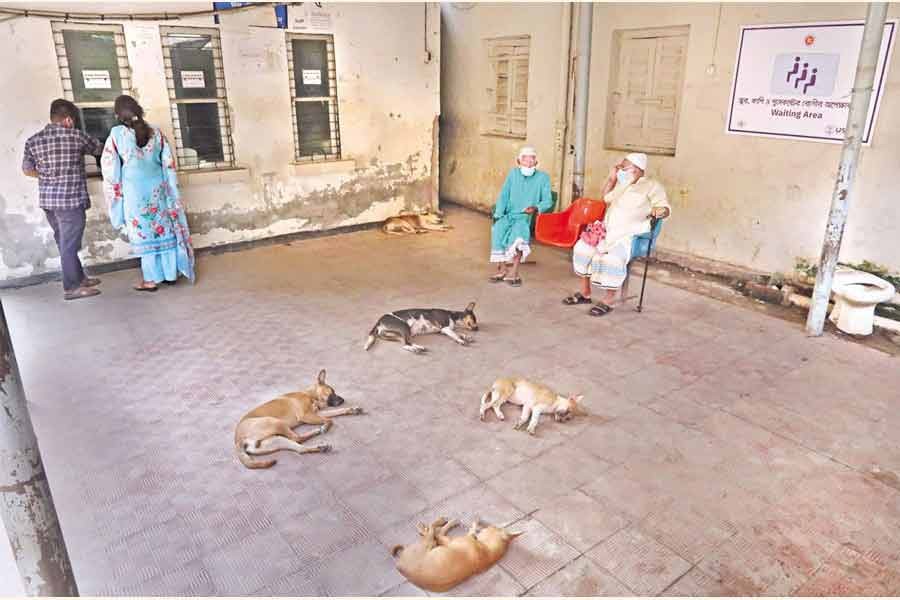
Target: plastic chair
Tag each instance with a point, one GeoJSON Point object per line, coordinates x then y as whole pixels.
{"type": "Point", "coordinates": [562, 229]}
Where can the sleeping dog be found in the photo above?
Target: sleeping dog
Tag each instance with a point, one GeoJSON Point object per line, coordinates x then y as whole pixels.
{"type": "Point", "coordinates": [404, 324]}
{"type": "Point", "coordinates": [421, 223]}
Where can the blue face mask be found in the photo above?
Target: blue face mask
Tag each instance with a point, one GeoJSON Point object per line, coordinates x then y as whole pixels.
{"type": "Point", "coordinates": [624, 177]}
{"type": "Point", "coordinates": [527, 171]}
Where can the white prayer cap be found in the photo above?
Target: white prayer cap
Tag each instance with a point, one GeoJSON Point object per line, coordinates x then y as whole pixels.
{"type": "Point", "coordinates": [638, 159]}
{"type": "Point", "coordinates": [527, 151]}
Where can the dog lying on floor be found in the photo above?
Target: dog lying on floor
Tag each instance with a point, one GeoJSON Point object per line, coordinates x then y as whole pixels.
{"type": "Point", "coordinates": [421, 223]}
{"type": "Point", "coordinates": [269, 427]}
{"type": "Point", "coordinates": [535, 400]}
{"type": "Point", "coordinates": [438, 563]}
{"type": "Point", "coordinates": [405, 324]}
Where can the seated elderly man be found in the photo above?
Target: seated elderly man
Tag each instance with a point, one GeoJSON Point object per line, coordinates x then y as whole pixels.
{"type": "Point", "coordinates": [631, 199]}
{"type": "Point", "coordinates": [525, 192]}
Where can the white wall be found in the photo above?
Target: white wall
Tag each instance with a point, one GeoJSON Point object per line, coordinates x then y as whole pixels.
{"type": "Point", "coordinates": [388, 98]}
{"type": "Point", "coordinates": [754, 202]}
{"type": "Point", "coordinates": [473, 166]}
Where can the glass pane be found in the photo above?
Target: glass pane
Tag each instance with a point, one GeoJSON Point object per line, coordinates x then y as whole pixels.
{"type": "Point", "coordinates": [315, 128]}
{"type": "Point", "coordinates": [193, 66]}
{"type": "Point", "coordinates": [201, 139]}
{"type": "Point", "coordinates": [96, 122]}
{"type": "Point", "coordinates": [310, 68]}
{"type": "Point", "coordinates": [93, 65]}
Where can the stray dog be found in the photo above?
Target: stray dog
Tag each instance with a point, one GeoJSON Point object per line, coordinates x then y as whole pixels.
{"type": "Point", "coordinates": [269, 428]}
{"type": "Point", "coordinates": [438, 563]}
{"type": "Point", "coordinates": [423, 223]}
{"type": "Point", "coordinates": [534, 398]}
{"type": "Point", "coordinates": [404, 324]}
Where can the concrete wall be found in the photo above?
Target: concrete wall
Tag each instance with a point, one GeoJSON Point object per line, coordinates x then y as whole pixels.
{"type": "Point", "coordinates": [389, 99]}
{"type": "Point", "coordinates": [473, 165]}
{"type": "Point", "coordinates": [754, 202]}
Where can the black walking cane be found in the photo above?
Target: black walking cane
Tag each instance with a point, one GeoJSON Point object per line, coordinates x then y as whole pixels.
{"type": "Point", "coordinates": [640, 305]}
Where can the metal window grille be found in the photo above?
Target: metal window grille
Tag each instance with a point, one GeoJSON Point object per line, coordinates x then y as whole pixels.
{"type": "Point", "coordinates": [314, 101]}
{"type": "Point", "coordinates": [195, 78]}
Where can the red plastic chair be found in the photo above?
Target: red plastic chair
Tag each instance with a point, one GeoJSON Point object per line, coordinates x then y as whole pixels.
{"type": "Point", "coordinates": [562, 229]}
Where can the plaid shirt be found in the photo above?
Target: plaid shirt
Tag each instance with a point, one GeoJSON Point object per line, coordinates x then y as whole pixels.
{"type": "Point", "coordinates": [57, 154]}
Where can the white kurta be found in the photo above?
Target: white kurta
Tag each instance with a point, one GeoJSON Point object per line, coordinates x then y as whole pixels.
{"type": "Point", "coordinates": [627, 211]}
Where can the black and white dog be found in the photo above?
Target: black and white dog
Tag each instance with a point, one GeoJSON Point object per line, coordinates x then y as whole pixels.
{"type": "Point", "coordinates": [403, 325]}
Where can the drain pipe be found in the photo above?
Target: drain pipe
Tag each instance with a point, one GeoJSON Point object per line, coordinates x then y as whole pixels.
{"type": "Point", "coordinates": [25, 501]}
{"type": "Point", "coordinates": [840, 200]}
{"type": "Point", "coordinates": [562, 104]}
{"type": "Point", "coordinates": [582, 87]}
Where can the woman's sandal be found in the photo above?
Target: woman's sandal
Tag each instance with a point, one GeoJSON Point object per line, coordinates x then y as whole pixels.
{"type": "Point", "coordinates": [576, 298]}
{"type": "Point", "coordinates": [143, 288]}
{"type": "Point", "coordinates": [600, 309]}
{"type": "Point", "coordinates": [516, 282]}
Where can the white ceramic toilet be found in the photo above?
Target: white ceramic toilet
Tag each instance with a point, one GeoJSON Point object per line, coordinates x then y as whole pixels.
{"type": "Point", "coordinates": [855, 295]}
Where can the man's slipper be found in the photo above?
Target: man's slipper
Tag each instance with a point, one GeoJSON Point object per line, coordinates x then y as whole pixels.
{"type": "Point", "coordinates": [600, 309]}
{"type": "Point", "coordinates": [90, 282]}
{"type": "Point", "coordinates": [82, 292]}
{"type": "Point", "coordinates": [497, 278]}
{"type": "Point", "coordinates": [576, 298]}
{"type": "Point", "coordinates": [517, 282]}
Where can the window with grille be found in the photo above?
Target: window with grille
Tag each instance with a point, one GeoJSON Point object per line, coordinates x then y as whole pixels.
{"type": "Point", "coordinates": [314, 103]}
{"type": "Point", "coordinates": [507, 111]}
{"type": "Point", "coordinates": [645, 89]}
{"type": "Point", "coordinates": [93, 66]}
{"type": "Point", "coordinates": [195, 78]}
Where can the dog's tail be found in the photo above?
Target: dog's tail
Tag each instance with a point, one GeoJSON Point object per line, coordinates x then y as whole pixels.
{"type": "Point", "coordinates": [396, 550]}
{"type": "Point", "coordinates": [372, 337]}
{"type": "Point", "coordinates": [248, 461]}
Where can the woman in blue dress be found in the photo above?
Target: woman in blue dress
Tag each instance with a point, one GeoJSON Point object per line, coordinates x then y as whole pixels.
{"type": "Point", "coordinates": [141, 188]}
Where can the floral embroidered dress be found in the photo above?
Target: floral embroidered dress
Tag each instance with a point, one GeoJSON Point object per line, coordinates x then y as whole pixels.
{"type": "Point", "coordinates": [141, 189]}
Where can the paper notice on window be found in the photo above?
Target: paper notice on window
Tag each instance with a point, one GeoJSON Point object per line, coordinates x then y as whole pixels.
{"type": "Point", "coordinates": [319, 19]}
{"type": "Point", "coordinates": [312, 77]}
{"type": "Point", "coordinates": [96, 80]}
{"type": "Point", "coordinates": [192, 79]}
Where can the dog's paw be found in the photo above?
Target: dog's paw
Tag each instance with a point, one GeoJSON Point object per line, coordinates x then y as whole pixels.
{"type": "Point", "coordinates": [530, 431]}
{"type": "Point", "coordinates": [356, 410]}
{"type": "Point", "coordinates": [324, 448]}
{"type": "Point", "coordinates": [481, 417]}
{"type": "Point", "coordinates": [501, 417]}
{"type": "Point", "coordinates": [519, 426]}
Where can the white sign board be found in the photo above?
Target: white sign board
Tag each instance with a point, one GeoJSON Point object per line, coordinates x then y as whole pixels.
{"type": "Point", "coordinates": [193, 79]}
{"type": "Point", "coordinates": [96, 79]}
{"type": "Point", "coordinates": [312, 77]}
{"type": "Point", "coordinates": [795, 81]}
{"type": "Point", "coordinates": [303, 18]}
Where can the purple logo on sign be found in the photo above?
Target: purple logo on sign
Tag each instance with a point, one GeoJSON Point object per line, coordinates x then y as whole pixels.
{"type": "Point", "coordinates": [802, 74]}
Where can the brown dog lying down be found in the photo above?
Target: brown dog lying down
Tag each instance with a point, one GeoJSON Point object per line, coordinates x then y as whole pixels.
{"type": "Point", "coordinates": [270, 427]}
{"type": "Point", "coordinates": [423, 223]}
{"type": "Point", "coordinates": [534, 398]}
{"type": "Point", "coordinates": [438, 563]}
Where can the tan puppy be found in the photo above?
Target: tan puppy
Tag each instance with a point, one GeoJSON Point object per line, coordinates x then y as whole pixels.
{"type": "Point", "coordinates": [534, 398]}
{"type": "Point", "coordinates": [404, 224]}
{"type": "Point", "coordinates": [438, 563]}
{"type": "Point", "coordinates": [269, 428]}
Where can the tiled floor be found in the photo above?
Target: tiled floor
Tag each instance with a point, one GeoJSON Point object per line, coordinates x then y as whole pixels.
{"type": "Point", "coordinates": [726, 453]}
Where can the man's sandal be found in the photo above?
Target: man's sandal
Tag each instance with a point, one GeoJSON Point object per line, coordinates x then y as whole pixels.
{"type": "Point", "coordinates": [600, 309]}
{"type": "Point", "coordinates": [576, 298]}
{"type": "Point", "coordinates": [497, 278]}
{"type": "Point", "coordinates": [82, 292]}
{"type": "Point", "coordinates": [515, 282]}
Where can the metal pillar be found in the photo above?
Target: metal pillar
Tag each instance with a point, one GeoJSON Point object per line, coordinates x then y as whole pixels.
{"type": "Point", "coordinates": [582, 88]}
{"type": "Point", "coordinates": [26, 504]}
{"type": "Point", "coordinates": [840, 200]}
{"type": "Point", "coordinates": [562, 106]}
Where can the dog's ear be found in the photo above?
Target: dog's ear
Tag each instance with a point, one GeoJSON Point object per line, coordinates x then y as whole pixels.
{"type": "Point", "coordinates": [470, 307]}
{"type": "Point", "coordinates": [321, 377]}
{"type": "Point", "coordinates": [513, 534]}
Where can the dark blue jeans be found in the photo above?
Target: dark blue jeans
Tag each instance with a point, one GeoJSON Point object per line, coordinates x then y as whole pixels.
{"type": "Point", "coordinates": [68, 229]}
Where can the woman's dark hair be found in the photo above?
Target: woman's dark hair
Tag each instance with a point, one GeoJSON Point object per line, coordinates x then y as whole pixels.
{"type": "Point", "coordinates": [130, 114]}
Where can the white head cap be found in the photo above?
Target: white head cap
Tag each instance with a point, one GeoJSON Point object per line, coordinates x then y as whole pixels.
{"type": "Point", "coordinates": [638, 159]}
{"type": "Point", "coordinates": [527, 151]}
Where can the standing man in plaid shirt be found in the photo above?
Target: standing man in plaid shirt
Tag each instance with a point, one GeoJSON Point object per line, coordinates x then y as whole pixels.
{"type": "Point", "coordinates": [55, 156]}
